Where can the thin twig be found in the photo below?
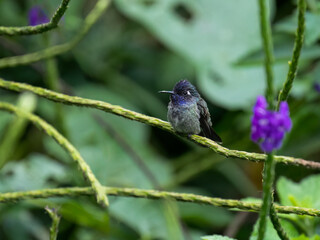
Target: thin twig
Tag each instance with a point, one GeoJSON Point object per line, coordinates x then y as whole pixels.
{"type": "Point", "coordinates": [55, 222]}
{"type": "Point", "coordinates": [236, 205]}
{"type": "Point", "coordinates": [268, 178]}
{"type": "Point", "coordinates": [276, 223]}
{"type": "Point", "coordinates": [293, 64]}
{"type": "Point", "coordinates": [49, 52]}
{"type": "Point", "coordinates": [268, 48]}
{"type": "Point", "coordinates": [29, 30]}
{"type": "Point", "coordinates": [120, 111]}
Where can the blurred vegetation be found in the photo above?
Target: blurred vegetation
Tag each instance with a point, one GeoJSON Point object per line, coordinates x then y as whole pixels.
{"type": "Point", "coordinates": [137, 48]}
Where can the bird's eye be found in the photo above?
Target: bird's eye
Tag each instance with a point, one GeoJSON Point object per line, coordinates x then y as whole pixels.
{"type": "Point", "coordinates": [188, 93]}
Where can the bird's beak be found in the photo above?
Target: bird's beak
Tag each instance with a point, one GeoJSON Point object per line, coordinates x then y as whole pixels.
{"type": "Point", "coordinates": [171, 92]}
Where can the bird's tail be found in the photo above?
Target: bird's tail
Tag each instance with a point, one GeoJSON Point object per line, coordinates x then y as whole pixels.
{"type": "Point", "coordinates": [214, 136]}
{"type": "Point", "coordinates": [208, 132]}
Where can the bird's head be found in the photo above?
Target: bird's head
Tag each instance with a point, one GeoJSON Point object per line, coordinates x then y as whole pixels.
{"type": "Point", "coordinates": [183, 92]}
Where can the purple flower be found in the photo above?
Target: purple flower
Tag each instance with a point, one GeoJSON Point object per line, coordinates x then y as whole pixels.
{"type": "Point", "coordinates": [37, 16]}
{"type": "Point", "coordinates": [317, 87]}
{"type": "Point", "coordinates": [268, 127]}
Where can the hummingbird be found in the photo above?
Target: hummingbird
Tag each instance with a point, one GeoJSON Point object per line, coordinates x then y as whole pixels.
{"type": "Point", "coordinates": [188, 112]}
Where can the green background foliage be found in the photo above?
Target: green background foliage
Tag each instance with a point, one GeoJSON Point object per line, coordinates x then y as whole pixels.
{"type": "Point", "coordinates": [135, 49]}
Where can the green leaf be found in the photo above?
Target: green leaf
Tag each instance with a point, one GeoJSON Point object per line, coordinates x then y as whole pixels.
{"type": "Point", "coordinates": [22, 224]}
{"type": "Point", "coordinates": [271, 232]}
{"type": "Point", "coordinates": [303, 194]}
{"type": "Point", "coordinates": [204, 216]}
{"type": "Point", "coordinates": [7, 16]}
{"type": "Point", "coordinates": [54, 149]}
{"type": "Point", "coordinates": [211, 44]}
{"type": "Point", "coordinates": [146, 217]}
{"type": "Point", "coordinates": [4, 119]}
{"type": "Point", "coordinates": [216, 237]}
{"type": "Point", "coordinates": [85, 214]}
{"type": "Point", "coordinates": [132, 130]}
{"type": "Point", "coordinates": [303, 237]}
{"type": "Point", "coordinates": [35, 172]}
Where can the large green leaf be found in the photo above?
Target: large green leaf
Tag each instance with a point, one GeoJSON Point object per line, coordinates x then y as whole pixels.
{"type": "Point", "coordinates": [211, 44]}
{"type": "Point", "coordinates": [4, 119]}
{"type": "Point", "coordinates": [85, 214]}
{"type": "Point", "coordinates": [145, 216]}
{"type": "Point", "coordinates": [303, 194]}
{"type": "Point", "coordinates": [20, 223]}
{"type": "Point", "coordinates": [35, 172]}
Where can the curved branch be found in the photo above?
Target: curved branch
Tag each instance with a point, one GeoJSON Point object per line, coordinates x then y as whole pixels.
{"type": "Point", "coordinates": [93, 16]}
{"type": "Point", "coordinates": [63, 142]}
{"type": "Point", "coordinates": [29, 30]}
{"type": "Point", "coordinates": [53, 213]}
{"type": "Point", "coordinates": [276, 222]}
{"type": "Point", "coordinates": [153, 194]}
{"type": "Point", "coordinates": [120, 111]}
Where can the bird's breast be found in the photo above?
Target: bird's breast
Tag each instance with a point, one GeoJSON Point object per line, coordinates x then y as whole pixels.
{"type": "Point", "coordinates": [184, 118]}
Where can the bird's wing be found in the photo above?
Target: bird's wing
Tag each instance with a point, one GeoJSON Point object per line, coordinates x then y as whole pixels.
{"type": "Point", "coordinates": [205, 122]}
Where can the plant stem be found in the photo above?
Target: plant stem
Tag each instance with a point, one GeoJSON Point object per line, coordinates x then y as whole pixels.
{"type": "Point", "coordinates": [92, 17]}
{"type": "Point", "coordinates": [236, 205]}
{"type": "Point", "coordinates": [29, 30]}
{"type": "Point", "coordinates": [52, 82]}
{"type": "Point", "coordinates": [120, 111]}
{"type": "Point", "coordinates": [268, 48]}
{"type": "Point", "coordinates": [276, 222]}
{"type": "Point", "coordinates": [55, 222]}
{"type": "Point", "coordinates": [268, 178]}
{"type": "Point", "coordinates": [293, 64]}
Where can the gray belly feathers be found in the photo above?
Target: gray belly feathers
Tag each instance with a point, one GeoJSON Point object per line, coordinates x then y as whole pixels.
{"type": "Point", "coordinates": [185, 120]}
